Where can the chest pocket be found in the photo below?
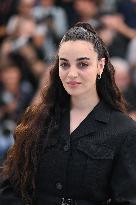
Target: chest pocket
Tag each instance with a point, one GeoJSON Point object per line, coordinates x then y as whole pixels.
{"type": "Point", "coordinates": [97, 171]}
{"type": "Point", "coordinates": [95, 150]}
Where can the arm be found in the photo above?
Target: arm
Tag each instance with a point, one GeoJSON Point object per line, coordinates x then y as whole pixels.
{"type": "Point", "coordinates": [127, 31]}
{"type": "Point", "coordinates": [123, 182]}
{"type": "Point", "coordinates": [116, 22]}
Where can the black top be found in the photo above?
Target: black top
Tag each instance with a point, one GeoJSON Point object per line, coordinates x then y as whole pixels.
{"type": "Point", "coordinates": [97, 162]}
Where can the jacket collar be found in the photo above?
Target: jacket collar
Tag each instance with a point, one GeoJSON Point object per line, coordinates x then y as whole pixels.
{"type": "Point", "coordinates": [100, 114]}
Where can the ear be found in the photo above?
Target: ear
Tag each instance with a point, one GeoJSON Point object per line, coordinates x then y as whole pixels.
{"type": "Point", "coordinates": [101, 64]}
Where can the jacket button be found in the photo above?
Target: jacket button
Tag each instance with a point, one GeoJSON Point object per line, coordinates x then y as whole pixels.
{"type": "Point", "coordinates": [66, 147]}
{"type": "Point", "coordinates": [59, 186]}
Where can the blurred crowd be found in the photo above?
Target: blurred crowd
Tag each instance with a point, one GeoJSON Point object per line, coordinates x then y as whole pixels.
{"type": "Point", "coordinates": [30, 31]}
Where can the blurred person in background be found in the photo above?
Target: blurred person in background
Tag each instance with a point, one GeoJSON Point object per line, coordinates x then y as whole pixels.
{"type": "Point", "coordinates": [124, 24]}
{"type": "Point", "coordinates": [24, 10]}
{"type": "Point", "coordinates": [22, 55]}
{"type": "Point", "coordinates": [38, 41]}
{"type": "Point", "coordinates": [25, 67]}
{"type": "Point", "coordinates": [15, 96]}
{"type": "Point", "coordinates": [68, 6]}
{"type": "Point", "coordinates": [54, 20]}
{"type": "Point", "coordinates": [15, 93]}
{"type": "Point", "coordinates": [29, 63]}
{"type": "Point", "coordinates": [91, 11]}
{"type": "Point", "coordinates": [28, 52]}
{"type": "Point", "coordinates": [43, 83]}
{"type": "Point", "coordinates": [107, 34]}
{"type": "Point", "coordinates": [22, 32]}
{"type": "Point", "coordinates": [21, 26]}
{"type": "Point", "coordinates": [19, 37]}
{"type": "Point", "coordinates": [41, 71]}
{"type": "Point", "coordinates": [7, 9]}
{"type": "Point", "coordinates": [39, 68]}
{"type": "Point", "coordinates": [131, 52]}
{"type": "Point", "coordinates": [124, 78]}
{"type": "Point", "coordinates": [20, 47]}
{"type": "Point", "coordinates": [109, 6]}
{"type": "Point", "coordinates": [127, 9]}
{"type": "Point", "coordinates": [88, 11]}
{"type": "Point", "coordinates": [122, 73]}
{"type": "Point", "coordinates": [5, 48]}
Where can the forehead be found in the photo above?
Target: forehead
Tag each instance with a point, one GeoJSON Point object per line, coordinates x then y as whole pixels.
{"type": "Point", "coordinates": [76, 48]}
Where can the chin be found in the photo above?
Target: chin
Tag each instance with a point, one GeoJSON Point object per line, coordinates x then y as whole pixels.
{"type": "Point", "coordinates": [74, 93]}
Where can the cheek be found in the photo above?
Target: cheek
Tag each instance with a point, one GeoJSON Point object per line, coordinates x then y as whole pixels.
{"type": "Point", "coordinates": [62, 74]}
{"type": "Point", "coordinates": [90, 76]}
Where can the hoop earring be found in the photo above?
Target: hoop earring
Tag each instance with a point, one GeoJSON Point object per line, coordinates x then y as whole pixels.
{"type": "Point", "coordinates": [99, 76]}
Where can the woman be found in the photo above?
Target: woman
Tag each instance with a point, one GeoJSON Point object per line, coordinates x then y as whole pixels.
{"type": "Point", "coordinates": [78, 146]}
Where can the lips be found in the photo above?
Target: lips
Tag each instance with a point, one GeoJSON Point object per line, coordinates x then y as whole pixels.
{"type": "Point", "coordinates": [73, 83]}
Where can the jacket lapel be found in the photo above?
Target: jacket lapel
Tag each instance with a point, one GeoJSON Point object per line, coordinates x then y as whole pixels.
{"type": "Point", "coordinates": [99, 116]}
{"type": "Point", "coordinates": [89, 126]}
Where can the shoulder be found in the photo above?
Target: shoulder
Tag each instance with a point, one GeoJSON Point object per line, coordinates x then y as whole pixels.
{"type": "Point", "coordinates": [118, 123]}
{"type": "Point", "coordinates": [121, 127]}
{"type": "Point", "coordinates": [120, 119]}
{"type": "Point", "coordinates": [115, 121]}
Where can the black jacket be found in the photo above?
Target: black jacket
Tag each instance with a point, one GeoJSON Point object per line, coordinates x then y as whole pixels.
{"type": "Point", "coordinates": [97, 162]}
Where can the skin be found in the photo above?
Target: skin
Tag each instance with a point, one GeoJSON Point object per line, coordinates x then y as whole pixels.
{"type": "Point", "coordinates": [78, 69]}
{"type": "Point", "coordinates": [78, 62]}
{"type": "Point", "coordinates": [117, 23]}
{"type": "Point", "coordinates": [86, 9]}
{"type": "Point", "coordinates": [11, 79]}
{"type": "Point", "coordinates": [122, 78]}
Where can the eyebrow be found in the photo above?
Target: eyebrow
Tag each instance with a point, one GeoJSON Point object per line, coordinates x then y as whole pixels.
{"type": "Point", "coordinates": [78, 59]}
{"type": "Point", "coordinates": [83, 58]}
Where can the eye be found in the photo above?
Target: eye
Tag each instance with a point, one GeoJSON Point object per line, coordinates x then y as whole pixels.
{"type": "Point", "coordinates": [82, 65]}
{"type": "Point", "coordinates": [64, 65]}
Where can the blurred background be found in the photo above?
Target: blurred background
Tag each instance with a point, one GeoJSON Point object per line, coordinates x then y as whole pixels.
{"type": "Point", "coordinates": [30, 31]}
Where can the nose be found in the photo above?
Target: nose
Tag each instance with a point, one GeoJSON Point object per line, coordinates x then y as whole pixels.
{"type": "Point", "coordinates": [73, 72]}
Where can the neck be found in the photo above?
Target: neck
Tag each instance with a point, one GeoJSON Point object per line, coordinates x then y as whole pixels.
{"type": "Point", "coordinates": [82, 103]}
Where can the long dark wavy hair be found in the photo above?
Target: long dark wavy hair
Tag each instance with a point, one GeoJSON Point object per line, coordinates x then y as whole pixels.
{"type": "Point", "coordinates": [42, 121]}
